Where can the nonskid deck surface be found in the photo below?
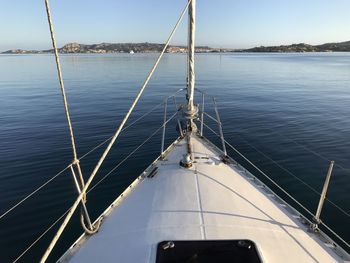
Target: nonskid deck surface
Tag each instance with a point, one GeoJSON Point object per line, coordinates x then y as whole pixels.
{"type": "Point", "coordinates": [209, 201]}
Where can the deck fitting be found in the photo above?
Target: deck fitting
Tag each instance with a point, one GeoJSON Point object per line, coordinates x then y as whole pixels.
{"type": "Point", "coordinates": [186, 161]}
{"type": "Point", "coordinates": [225, 159]}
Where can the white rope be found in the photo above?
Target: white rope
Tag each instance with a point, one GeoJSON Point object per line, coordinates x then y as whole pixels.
{"type": "Point", "coordinates": [110, 172]}
{"type": "Point", "coordinates": [83, 156]}
{"type": "Point", "coordinates": [86, 154]}
{"type": "Point", "coordinates": [32, 193]}
{"type": "Point", "coordinates": [92, 188]}
{"type": "Point", "coordinates": [79, 198]}
{"type": "Point", "coordinates": [59, 72]}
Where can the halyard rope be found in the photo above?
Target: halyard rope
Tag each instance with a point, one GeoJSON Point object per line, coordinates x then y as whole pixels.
{"type": "Point", "coordinates": [80, 197]}
{"type": "Point", "coordinates": [59, 72]}
{"type": "Point", "coordinates": [92, 188]}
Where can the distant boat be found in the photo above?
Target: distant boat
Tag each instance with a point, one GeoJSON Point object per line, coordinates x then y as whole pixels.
{"type": "Point", "coordinates": [131, 52]}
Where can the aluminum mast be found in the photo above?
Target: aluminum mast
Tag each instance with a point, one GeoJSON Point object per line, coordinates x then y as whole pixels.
{"type": "Point", "coordinates": [191, 40]}
{"type": "Point", "coordinates": [191, 109]}
{"type": "Point", "coordinates": [190, 112]}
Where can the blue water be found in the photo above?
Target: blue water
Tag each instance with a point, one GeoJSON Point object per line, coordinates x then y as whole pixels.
{"type": "Point", "coordinates": [293, 109]}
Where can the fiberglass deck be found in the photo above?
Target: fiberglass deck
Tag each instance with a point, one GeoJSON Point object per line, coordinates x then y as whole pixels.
{"type": "Point", "coordinates": [210, 201]}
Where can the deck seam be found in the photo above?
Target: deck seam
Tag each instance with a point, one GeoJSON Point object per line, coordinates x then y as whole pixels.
{"type": "Point", "coordinates": [201, 217]}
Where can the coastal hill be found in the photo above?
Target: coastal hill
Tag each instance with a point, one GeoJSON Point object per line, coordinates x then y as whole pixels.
{"type": "Point", "coordinates": [328, 47]}
{"type": "Point", "coordinates": [154, 47]}
{"type": "Point", "coordinates": [113, 48]}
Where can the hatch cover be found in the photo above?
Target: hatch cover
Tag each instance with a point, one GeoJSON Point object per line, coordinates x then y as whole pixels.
{"type": "Point", "coordinates": [207, 251]}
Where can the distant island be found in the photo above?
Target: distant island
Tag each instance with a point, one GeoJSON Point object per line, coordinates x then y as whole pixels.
{"type": "Point", "coordinates": [154, 47]}
{"type": "Point", "coordinates": [114, 48]}
{"type": "Point", "coordinates": [328, 47]}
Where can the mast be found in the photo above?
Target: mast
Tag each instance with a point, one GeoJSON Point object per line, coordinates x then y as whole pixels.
{"type": "Point", "coordinates": [190, 112]}
{"type": "Point", "coordinates": [191, 41]}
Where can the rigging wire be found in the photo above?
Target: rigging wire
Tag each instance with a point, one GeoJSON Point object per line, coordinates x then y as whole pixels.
{"type": "Point", "coordinates": [127, 127]}
{"type": "Point", "coordinates": [32, 193]}
{"type": "Point", "coordinates": [335, 234]}
{"type": "Point", "coordinates": [308, 149]}
{"type": "Point", "coordinates": [93, 187]}
{"type": "Point", "coordinates": [41, 236]}
{"type": "Point", "coordinates": [130, 154]}
{"type": "Point", "coordinates": [279, 187]}
{"type": "Point", "coordinates": [258, 169]}
{"type": "Point", "coordinates": [303, 145]}
{"type": "Point", "coordinates": [293, 175]}
{"type": "Point", "coordinates": [82, 157]}
{"type": "Point", "coordinates": [86, 154]}
{"type": "Point", "coordinates": [115, 136]}
{"type": "Point", "coordinates": [131, 124]}
{"type": "Point", "coordinates": [288, 171]}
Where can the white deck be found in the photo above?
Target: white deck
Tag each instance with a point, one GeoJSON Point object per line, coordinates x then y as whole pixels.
{"type": "Point", "coordinates": [211, 200]}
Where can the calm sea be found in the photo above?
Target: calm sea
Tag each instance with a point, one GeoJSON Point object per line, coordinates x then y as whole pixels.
{"type": "Point", "coordinates": [288, 113]}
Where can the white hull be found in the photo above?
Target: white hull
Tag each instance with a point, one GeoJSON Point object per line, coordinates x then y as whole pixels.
{"type": "Point", "coordinates": [210, 201]}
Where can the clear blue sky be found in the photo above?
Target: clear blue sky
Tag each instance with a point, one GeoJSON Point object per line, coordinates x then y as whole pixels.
{"type": "Point", "coordinates": [221, 23]}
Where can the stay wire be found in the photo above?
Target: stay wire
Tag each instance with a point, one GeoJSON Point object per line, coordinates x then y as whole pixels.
{"type": "Point", "coordinates": [288, 171]}
{"type": "Point", "coordinates": [34, 192]}
{"type": "Point", "coordinates": [91, 189]}
{"type": "Point", "coordinates": [115, 136]}
{"type": "Point", "coordinates": [279, 187]}
{"type": "Point", "coordinates": [82, 157]}
{"type": "Point", "coordinates": [130, 154]}
{"type": "Point", "coordinates": [294, 176]}
{"type": "Point", "coordinates": [305, 147]}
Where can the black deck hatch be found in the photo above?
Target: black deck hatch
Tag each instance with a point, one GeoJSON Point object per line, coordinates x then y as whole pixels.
{"type": "Point", "coordinates": [207, 251]}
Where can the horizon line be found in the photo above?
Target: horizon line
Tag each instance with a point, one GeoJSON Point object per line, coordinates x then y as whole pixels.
{"type": "Point", "coordinates": [181, 45]}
